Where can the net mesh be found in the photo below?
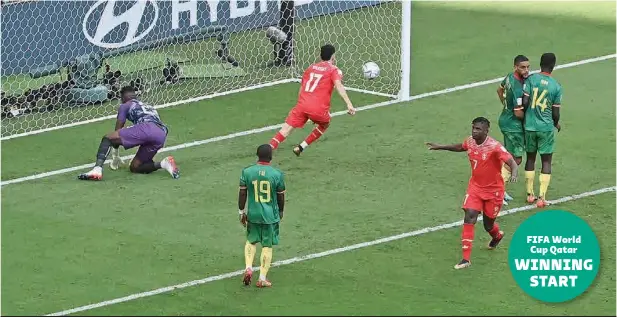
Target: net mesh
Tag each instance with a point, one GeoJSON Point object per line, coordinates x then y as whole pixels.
{"type": "Point", "coordinates": [67, 65]}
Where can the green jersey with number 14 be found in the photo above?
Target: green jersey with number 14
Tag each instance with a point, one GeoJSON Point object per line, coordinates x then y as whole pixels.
{"type": "Point", "coordinates": [544, 93]}
{"type": "Point", "coordinates": [513, 94]}
{"type": "Point", "coordinates": [262, 183]}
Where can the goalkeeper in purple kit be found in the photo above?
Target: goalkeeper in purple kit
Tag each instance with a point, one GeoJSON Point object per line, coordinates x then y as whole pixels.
{"type": "Point", "coordinates": [148, 132]}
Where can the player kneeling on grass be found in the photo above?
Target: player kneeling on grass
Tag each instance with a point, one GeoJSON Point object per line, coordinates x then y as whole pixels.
{"type": "Point", "coordinates": [314, 100]}
{"type": "Point", "coordinates": [264, 188]}
{"type": "Point", "coordinates": [147, 131]}
{"type": "Point", "coordinates": [486, 186]}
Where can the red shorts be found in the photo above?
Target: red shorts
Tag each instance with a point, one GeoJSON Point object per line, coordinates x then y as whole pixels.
{"type": "Point", "coordinates": [299, 116]}
{"type": "Point", "coordinates": [489, 202]}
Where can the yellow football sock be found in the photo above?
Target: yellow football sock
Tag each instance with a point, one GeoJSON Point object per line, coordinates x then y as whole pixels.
{"type": "Point", "coordinates": [545, 179]}
{"type": "Point", "coordinates": [530, 178]}
{"type": "Point", "coordinates": [266, 260]}
{"type": "Point", "coordinates": [249, 254]}
{"type": "Point", "coordinates": [505, 173]}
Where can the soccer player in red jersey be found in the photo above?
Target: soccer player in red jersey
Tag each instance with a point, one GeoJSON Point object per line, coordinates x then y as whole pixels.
{"type": "Point", "coordinates": [486, 187]}
{"type": "Point", "coordinates": [314, 98]}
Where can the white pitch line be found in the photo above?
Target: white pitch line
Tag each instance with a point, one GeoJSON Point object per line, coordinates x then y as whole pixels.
{"type": "Point", "coordinates": [370, 92]}
{"type": "Point", "coordinates": [277, 126]}
{"type": "Point", "coordinates": [318, 255]}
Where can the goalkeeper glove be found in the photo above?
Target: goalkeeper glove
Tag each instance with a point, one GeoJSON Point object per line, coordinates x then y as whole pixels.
{"type": "Point", "coordinates": [116, 160]}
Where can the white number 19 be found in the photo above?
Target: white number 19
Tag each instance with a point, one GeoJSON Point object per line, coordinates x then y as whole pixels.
{"type": "Point", "coordinates": [315, 78]}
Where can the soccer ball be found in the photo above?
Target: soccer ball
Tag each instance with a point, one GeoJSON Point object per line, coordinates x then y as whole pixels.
{"type": "Point", "coordinates": [276, 35]}
{"type": "Point", "coordinates": [370, 70]}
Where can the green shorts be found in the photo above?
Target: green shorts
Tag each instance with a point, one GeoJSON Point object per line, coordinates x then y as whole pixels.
{"type": "Point", "coordinates": [265, 234]}
{"type": "Point", "coordinates": [514, 142]}
{"type": "Point", "coordinates": [541, 142]}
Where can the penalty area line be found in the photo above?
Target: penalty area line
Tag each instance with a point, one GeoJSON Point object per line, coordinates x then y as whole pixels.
{"type": "Point", "coordinates": [278, 126]}
{"type": "Point", "coordinates": [319, 255]}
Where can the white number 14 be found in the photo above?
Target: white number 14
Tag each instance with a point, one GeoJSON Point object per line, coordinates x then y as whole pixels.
{"type": "Point", "coordinates": [315, 78]}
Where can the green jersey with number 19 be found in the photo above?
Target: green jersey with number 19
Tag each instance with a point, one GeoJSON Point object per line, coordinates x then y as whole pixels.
{"type": "Point", "coordinates": [262, 183]}
{"type": "Point", "coordinates": [513, 93]}
{"type": "Point", "coordinates": [544, 93]}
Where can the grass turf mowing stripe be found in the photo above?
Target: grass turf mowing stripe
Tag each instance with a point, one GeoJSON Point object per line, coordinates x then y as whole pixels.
{"type": "Point", "coordinates": [277, 126]}
{"type": "Point", "coordinates": [320, 254]}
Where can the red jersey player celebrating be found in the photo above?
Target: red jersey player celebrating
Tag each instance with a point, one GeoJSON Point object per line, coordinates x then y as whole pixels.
{"type": "Point", "coordinates": [314, 100]}
{"type": "Point", "coordinates": [486, 187]}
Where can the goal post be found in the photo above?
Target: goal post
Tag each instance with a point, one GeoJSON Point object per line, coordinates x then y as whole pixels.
{"type": "Point", "coordinates": [66, 69]}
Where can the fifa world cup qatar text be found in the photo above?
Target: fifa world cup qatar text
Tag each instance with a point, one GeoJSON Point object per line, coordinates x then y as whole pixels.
{"type": "Point", "coordinates": [486, 186]}
{"type": "Point", "coordinates": [148, 132]}
{"type": "Point", "coordinates": [314, 99]}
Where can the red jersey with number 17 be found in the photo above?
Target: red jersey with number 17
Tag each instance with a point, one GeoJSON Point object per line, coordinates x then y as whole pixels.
{"type": "Point", "coordinates": [317, 85]}
{"type": "Point", "coordinates": [486, 161]}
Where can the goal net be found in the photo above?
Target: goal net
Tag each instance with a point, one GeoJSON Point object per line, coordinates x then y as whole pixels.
{"type": "Point", "coordinates": [63, 62]}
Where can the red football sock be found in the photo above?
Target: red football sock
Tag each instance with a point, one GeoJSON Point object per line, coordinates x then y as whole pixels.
{"type": "Point", "coordinates": [495, 231]}
{"type": "Point", "coordinates": [276, 140]}
{"type": "Point", "coordinates": [316, 134]}
{"type": "Point", "coordinates": [467, 239]}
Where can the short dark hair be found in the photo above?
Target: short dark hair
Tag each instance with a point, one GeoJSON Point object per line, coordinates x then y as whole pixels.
{"type": "Point", "coordinates": [548, 61]}
{"type": "Point", "coordinates": [481, 120]}
{"type": "Point", "coordinates": [127, 89]}
{"type": "Point", "coordinates": [264, 153]}
{"type": "Point", "coordinates": [326, 52]}
{"type": "Point", "coordinates": [520, 58]}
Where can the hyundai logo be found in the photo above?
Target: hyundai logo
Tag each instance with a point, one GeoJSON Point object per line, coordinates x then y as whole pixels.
{"type": "Point", "coordinates": [107, 21]}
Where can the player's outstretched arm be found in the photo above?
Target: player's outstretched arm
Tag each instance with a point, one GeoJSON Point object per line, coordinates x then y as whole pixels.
{"type": "Point", "coordinates": [343, 93]}
{"type": "Point", "coordinates": [452, 147]}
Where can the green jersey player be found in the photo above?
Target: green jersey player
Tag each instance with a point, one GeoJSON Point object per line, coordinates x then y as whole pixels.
{"type": "Point", "coordinates": [541, 102]}
{"type": "Point", "coordinates": [510, 93]}
{"type": "Point", "coordinates": [263, 186]}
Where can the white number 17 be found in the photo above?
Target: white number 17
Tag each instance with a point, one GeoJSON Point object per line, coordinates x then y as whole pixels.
{"type": "Point", "coordinates": [315, 78]}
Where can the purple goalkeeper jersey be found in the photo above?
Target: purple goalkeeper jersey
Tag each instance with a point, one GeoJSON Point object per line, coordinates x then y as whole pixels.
{"type": "Point", "coordinates": [139, 112]}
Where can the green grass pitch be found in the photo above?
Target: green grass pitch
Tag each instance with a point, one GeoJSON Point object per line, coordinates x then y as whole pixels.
{"type": "Point", "coordinates": [67, 244]}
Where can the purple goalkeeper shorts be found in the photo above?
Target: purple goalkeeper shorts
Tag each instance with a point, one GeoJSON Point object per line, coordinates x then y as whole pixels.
{"type": "Point", "coordinates": [149, 136]}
